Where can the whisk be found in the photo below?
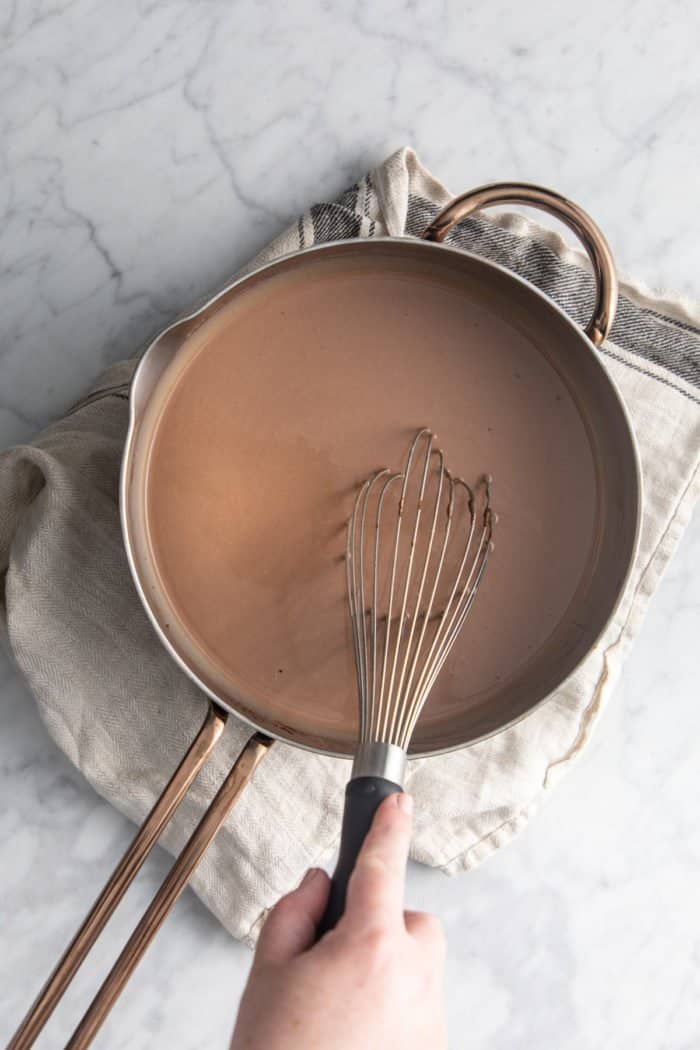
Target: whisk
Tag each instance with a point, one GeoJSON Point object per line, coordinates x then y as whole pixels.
{"type": "Point", "coordinates": [418, 542]}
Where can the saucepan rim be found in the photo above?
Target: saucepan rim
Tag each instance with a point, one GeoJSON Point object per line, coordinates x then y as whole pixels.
{"type": "Point", "coordinates": [138, 399]}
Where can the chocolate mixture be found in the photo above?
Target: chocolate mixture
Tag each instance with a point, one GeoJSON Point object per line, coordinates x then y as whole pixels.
{"type": "Point", "coordinates": [278, 407]}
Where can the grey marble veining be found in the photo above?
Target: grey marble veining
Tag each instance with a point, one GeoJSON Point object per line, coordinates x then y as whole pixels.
{"type": "Point", "coordinates": [148, 149]}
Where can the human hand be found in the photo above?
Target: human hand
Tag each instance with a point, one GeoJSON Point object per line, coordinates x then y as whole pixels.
{"type": "Point", "coordinates": [375, 981]}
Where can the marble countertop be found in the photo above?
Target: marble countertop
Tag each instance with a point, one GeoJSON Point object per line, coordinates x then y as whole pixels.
{"type": "Point", "coordinates": [147, 150]}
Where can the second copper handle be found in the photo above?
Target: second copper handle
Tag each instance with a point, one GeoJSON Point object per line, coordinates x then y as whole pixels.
{"type": "Point", "coordinates": [561, 208]}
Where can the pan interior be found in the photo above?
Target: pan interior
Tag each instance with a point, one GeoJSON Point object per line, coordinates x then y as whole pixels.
{"type": "Point", "coordinates": [308, 377]}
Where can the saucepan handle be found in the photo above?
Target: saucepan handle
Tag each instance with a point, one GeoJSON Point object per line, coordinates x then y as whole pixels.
{"type": "Point", "coordinates": [123, 875]}
{"type": "Point", "coordinates": [563, 209]}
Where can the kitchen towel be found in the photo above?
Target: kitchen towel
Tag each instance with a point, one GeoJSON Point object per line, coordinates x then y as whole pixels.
{"type": "Point", "coordinates": [124, 713]}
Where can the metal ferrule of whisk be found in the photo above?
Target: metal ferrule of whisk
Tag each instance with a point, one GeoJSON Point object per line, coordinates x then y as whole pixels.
{"type": "Point", "coordinates": [418, 542]}
{"type": "Point", "coordinates": [374, 758]}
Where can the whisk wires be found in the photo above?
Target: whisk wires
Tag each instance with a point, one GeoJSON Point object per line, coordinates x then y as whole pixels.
{"type": "Point", "coordinates": [417, 546]}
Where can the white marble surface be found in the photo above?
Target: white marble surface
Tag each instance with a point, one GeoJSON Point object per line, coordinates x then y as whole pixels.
{"type": "Point", "coordinates": [146, 150]}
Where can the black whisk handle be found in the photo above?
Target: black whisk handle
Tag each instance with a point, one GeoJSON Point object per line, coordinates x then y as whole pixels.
{"type": "Point", "coordinates": [363, 796]}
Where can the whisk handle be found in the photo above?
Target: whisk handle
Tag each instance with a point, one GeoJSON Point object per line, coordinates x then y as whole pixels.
{"type": "Point", "coordinates": [363, 796]}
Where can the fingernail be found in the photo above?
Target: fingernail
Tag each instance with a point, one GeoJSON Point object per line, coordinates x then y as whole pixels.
{"type": "Point", "coordinates": [309, 876]}
{"type": "Point", "coordinates": [405, 803]}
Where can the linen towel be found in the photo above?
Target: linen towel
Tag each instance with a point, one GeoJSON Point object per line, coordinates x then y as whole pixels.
{"type": "Point", "coordinates": [124, 713]}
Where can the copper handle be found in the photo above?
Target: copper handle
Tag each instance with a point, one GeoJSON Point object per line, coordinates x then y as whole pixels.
{"type": "Point", "coordinates": [124, 874]}
{"type": "Point", "coordinates": [563, 209]}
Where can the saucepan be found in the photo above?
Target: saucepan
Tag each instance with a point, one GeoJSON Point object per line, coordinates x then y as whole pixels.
{"type": "Point", "coordinates": [492, 296]}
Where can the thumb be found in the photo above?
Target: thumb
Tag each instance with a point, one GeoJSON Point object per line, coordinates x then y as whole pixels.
{"type": "Point", "coordinates": [290, 928]}
{"type": "Point", "coordinates": [376, 886]}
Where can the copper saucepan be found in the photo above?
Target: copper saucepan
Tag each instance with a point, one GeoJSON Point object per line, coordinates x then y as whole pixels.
{"type": "Point", "coordinates": [619, 484]}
